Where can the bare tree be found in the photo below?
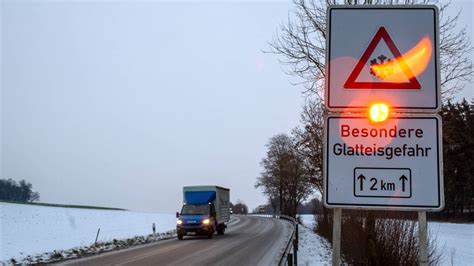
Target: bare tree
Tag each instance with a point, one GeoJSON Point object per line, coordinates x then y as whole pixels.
{"type": "Point", "coordinates": [240, 207]}
{"type": "Point", "coordinates": [284, 176]}
{"type": "Point", "coordinates": [302, 43]}
{"type": "Point", "coordinates": [309, 140]}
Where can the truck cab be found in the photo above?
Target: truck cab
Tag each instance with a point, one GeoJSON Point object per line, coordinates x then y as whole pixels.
{"type": "Point", "coordinates": [205, 211]}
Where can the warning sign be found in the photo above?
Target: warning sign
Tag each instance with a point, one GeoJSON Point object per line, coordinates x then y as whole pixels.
{"type": "Point", "coordinates": [390, 55]}
{"type": "Point", "coordinates": [385, 69]}
{"type": "Point", "coordinates": [392, 165]}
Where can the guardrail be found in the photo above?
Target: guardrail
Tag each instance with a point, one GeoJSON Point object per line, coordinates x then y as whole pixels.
{"type": "Point", "coordinates": [287, 257]}
{"type": "Point", "coordinates": [290, 254]}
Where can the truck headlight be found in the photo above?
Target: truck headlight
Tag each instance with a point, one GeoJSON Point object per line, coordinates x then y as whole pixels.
{"type": "Point", "coordinates": [206, 221]}
{"type": "Point", "coordinates": [179, 222]}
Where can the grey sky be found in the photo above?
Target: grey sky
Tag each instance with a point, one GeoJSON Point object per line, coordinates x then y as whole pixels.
{"type": "Point", "coordinates": [123, 103]}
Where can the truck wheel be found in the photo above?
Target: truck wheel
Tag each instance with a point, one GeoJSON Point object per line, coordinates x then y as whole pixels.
{"type": "Point", "coordinates": [220, 230]}
{"type": "Point", "coordinates": [210, 235]}
{"type": "Point", "coordinates": [180, 237]}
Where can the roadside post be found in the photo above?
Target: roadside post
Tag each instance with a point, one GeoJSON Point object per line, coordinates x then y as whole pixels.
{"type": "Point", "coordinates": [295, 244]}
{"type": "Point", "coordinates": [382, 134]}
{"type": "Point", "coordinates": [97, 236]}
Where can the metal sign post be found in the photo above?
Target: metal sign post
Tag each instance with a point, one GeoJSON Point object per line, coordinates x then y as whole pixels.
{"type": "Point", "coordinates": [423, 238]}
{"type": "Point", "coordinates": [336, 237]}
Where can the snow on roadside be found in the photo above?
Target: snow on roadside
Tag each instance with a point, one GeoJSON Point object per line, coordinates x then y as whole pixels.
{"type": "Point", "coordinates": [30, 230]}
{"type": "Point", "coordinates": [307, 220]}
{"type": "Point", "coordinates": [312, 248]}
{"type": "Point", "coordinates": [455, 241]}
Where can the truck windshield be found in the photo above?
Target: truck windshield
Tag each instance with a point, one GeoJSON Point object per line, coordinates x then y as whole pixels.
{"type": "Point", "coordinates": [195, 209]}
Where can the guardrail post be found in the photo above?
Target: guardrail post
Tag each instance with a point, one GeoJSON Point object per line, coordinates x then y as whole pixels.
{"type": "Point", "coordinates": [295, 244]}
{"type": "Point", "coordinates": [297, 236]}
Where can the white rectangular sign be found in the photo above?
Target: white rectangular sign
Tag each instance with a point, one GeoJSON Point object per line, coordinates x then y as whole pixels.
{"type": "Point", "coordinates": [396, 164]}
{"type": "Point", "coordinates": [384, 54]}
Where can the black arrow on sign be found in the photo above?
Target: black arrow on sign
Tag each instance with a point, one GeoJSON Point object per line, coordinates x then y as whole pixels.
{"type": "Point", "coordinates": [361, 178]}
{"type": "Point", "coordinates": [403, 178]}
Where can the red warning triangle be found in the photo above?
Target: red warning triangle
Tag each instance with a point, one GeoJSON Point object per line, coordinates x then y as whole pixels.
{"type": "Point", "coordinates": [351, 82]}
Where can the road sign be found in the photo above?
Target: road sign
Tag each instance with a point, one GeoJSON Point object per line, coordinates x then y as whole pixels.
{"type": "Point", "coordinates": [387, 54]}
{"type": "Point", "coordinates": [391, 165]}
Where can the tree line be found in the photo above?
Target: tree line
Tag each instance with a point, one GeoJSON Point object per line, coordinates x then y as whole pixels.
{"type": "Point", "coordinates": [22, 191]}
{"type": "Point", "coordinates": [239, 207]}
{"type": "Point", "coordinates": [458, 159]}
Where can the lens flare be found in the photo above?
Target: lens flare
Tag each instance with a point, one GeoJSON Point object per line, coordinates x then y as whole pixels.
{"type": "Point", "coordinates": [415, 62]}
{"type": "Point", "coordinates": [379, 112]}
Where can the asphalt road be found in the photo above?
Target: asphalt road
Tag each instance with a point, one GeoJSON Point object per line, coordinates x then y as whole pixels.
{"type": "Point", "coordinates": [248, 240]}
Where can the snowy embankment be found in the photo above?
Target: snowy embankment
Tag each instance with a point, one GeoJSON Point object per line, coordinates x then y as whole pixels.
{"type": "Point", "coordinates": [29, 230]}
{"type": "Point", "coordinates": [454, 241]}
{"type": "Point", "coordinates": [312, 248]}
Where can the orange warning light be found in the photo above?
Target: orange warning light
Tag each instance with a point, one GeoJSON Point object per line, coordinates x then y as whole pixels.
{"type": "Point", "coordinates": [413, 63]}
{"type": "Point", "coordinates": [379, 112]}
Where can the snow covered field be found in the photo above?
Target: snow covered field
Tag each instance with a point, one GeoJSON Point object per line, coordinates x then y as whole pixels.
{"type": "Point", "coordinates": [455, 241]}
{"type": "Point", "coordinates": [28, 230]}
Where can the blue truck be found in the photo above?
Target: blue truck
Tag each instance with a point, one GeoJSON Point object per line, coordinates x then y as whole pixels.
{"type": "Point", "coordinates": [206, 210]}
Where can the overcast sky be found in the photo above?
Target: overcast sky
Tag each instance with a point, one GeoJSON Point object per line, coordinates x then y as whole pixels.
{"type": "Point", "coordinates": [122, 103]}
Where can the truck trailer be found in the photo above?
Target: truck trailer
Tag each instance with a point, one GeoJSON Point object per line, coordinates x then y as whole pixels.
{"type": "Point", "coordinates": [206, 210]}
